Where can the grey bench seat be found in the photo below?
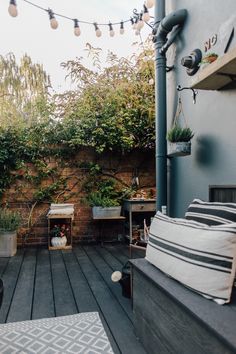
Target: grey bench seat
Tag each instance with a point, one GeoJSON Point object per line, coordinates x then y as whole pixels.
{"type": "Point", "coordinates": [169, 318]}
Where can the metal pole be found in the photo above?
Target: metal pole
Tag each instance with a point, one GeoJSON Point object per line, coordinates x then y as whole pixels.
{"type": "Point", "coordinates": [160, 108]}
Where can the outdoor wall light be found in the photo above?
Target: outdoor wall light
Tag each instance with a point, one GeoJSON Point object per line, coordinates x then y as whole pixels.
{"type": "Point", "coordinates": [53, 21]}
{"type": "Point", "coordinates": [77, 30]}
{"type": "Point", "coordinates": [149, 3]}
{"type": "Point", "coordinates": [111, 31]}
{"type": "Point", "coordinates": [97, 30]}
{"type": "Point", "coordinates": [12, 9]}
{"type": "Point", "coordinates": [192, 61]}
{"type": "Point", "coordinates": [122, 30]}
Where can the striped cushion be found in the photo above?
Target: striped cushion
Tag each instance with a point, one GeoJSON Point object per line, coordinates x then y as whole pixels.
{"type": "Point", "coordinates": [201, 257]}
{"type": "Point", "coordinates": [211, 213]}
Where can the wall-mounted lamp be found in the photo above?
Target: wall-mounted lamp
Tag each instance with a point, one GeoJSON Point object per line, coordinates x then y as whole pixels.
{"type": "Point", "coordinates": [192, 61]}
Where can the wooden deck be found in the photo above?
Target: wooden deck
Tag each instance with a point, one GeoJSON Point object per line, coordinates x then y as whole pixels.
{"type": "Point", "coordinates": [39, 283]}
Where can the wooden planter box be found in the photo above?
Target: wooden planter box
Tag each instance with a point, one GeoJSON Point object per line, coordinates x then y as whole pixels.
{"type": "Point", "coordinates": [179, 149]}
{"type": "Point", "coordinates": [60, 214]}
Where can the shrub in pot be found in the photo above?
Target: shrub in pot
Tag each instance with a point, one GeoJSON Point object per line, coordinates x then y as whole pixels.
{"type": "Point", "coordinates": [105, 199]}
{"type": "Point", "coordinates": [9, 223]}
{"type": "Point", "coordinates": [179, 141]}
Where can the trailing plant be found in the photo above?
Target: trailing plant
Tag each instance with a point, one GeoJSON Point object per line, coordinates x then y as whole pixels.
{"type": "Point", "coordinates": [178, 134]}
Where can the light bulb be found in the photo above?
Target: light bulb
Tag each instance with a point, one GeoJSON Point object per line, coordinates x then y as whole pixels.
{"type": "Point", "coordinates": [149, 3]}
{"type": "Point", "coordinates": [53, 21]}
{"type": "Point", "coordinates": [12, 9]}
{"type": "Point", "coordinates": [140, 24]}
{"type": "Point", "coordinates": [98, 33]}
{"type": "Point", "coordinates": [97, 30]}
{"type": "Point", "coordinates": [77, 30]}
{"type": "Point", "coordinates": [122, 30]}
{"type": "Point", "coordinates": [135, 23]}
{"type": "Point", "coordinates": [151, 82]}
{"type": "Point", "coordinates": [111, 31]}
{"type": "Point", "coordinates": [146, 16]}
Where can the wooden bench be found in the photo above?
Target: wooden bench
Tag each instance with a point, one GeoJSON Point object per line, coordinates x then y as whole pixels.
{"type": "Point", "coordinates": [169, 318]}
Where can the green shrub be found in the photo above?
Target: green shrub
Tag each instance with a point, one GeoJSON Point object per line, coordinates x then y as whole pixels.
{"type": "Point", "coordinates": [9, 220]}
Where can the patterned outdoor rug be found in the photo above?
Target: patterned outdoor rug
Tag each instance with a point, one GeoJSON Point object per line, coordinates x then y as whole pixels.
{"type": "Point", "coordinates": [80, 333]}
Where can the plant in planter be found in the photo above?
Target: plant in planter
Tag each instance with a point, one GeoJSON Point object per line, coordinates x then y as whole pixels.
{"type": "Point", "coordinates": [208, 59]}
{"type": "Point", "coordinates": [59, 234]}
{"type": "Point", "coordinates": [179, 141]}
{"type": "Point", "coordinates": [9, 223]}
{"type": "Point", "coordinates": [105, 198]}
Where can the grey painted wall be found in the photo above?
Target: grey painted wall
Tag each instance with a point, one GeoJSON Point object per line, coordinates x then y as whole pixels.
{"type": "Point", "coordinates": [212, 118]}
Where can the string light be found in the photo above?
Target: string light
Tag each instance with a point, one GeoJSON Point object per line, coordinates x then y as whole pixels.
{"type": "Point", "coordinates": [146, 16]}
{"type": "Point", "coordinates": [140, 23]}
{"type": "Point", "coordinates": [122, 30]}
{"type": "Point", "coordinates": [53, 21]}
{"type": "Point", "coordinates": [97, 30]}
{"type": "Point", "coordinates": [151, 82]}
{"type": "Point", "coordinates": [135, 23]}
{"type": "Point", "coordinates": [12, 9]}
{"type": "Point", "coordinates": [77, 30]}
{"type": "Point", "coordinates": [149, 3]}
{"type": "Point", "coordinates": [111, 31]}
{"type": "Point", "coordinates": [137, 20]}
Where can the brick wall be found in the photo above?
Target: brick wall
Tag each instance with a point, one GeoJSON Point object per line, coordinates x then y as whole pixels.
{"type": "Point", "coordinates": [20, 195]}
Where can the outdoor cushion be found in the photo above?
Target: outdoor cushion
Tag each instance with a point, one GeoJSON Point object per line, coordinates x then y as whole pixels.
{"type": "Point", "coordinates": [201, 257]}
{"type": "Point", "coordinates": [211, 213]}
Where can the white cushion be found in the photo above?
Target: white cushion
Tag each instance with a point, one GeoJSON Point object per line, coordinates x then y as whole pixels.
{"type": "Point", "coordinates": [211, 213]}
{"type": "Point", "coordinates": [201, 257]}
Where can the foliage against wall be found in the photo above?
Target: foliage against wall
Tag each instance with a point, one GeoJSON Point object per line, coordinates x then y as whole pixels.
{"type": "Point", "coordinates": [111, 108]}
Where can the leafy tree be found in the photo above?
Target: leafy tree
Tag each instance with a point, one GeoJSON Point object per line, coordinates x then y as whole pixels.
{"type": "Point", "coordinates": [24, 91]}
{"type": "Point", "coordinates": [112, 107]}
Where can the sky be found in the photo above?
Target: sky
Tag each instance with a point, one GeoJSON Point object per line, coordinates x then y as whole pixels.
{"type": "Point", "coordinates": [30, 32]}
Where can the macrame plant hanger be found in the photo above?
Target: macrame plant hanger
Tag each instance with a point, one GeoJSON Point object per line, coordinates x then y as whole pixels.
{"type": "Point", "coordinates": [179, 111]}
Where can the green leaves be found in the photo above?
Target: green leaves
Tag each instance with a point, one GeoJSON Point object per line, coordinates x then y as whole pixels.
{"type": "Point", "coordinates": [177, 134]}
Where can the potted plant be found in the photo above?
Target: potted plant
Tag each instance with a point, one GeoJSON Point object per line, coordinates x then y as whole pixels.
{"type": "Point", "coordinates": [59, 234]}
{"type": "Point", "coordinates": [104, 198]}
{"type": "Point", "coordinates": [9, 223]}
{"type": "Point", "coordinates": [208, 59]}
{"type": "Point", "coordinates": [179, 141]}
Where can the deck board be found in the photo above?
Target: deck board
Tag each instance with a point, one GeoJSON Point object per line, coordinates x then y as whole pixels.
{"type": "Point", "coordinates": [43, 304]}
{"type": "Point", "coordinates": [9, 278]}
{"type": "Point", "coordinates": [105, 271]}
{"type": "Point", "coordinates": [39, 283]}
{"type": "Point", "coordinates": [63, 296]}
{"type": "Point", "coordinates": [21, 305]}
{"type": "Point", "coordinates": [118, 322]}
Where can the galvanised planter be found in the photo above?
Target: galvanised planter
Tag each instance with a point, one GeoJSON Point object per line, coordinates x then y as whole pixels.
{"type": "Point", "coordinates": [179, 148]}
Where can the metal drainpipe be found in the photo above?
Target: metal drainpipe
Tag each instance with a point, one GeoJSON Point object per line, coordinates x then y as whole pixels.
{"type": "Point", "coordinates": [163, 26]}
{"type": "Point", "coordinates": [160, 108]}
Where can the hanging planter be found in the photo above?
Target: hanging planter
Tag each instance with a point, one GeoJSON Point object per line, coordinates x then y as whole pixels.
{"type": "Point", "coordinates": [180, 148]}
{"type": "Point", "coordinates": [179, 139]}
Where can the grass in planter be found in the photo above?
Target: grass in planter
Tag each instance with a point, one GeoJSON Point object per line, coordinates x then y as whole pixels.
{"type": "Point", "coordinates": [178, 134]}
{"type": "Point", "coordinates": [9, 220]}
